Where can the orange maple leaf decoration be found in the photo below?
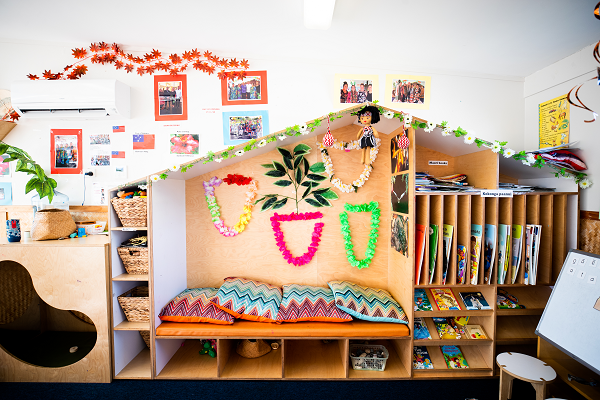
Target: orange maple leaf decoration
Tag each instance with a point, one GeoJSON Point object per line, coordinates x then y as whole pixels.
{"type": "Point", "coordinates": [32, 77]}
{"type": "Point", "coordinates": [94, 47]}
{"type": "Point", "coordinates": [14, 116]}
{"type": "Point", "coordinates": [79, 53]}
{"type": "Point", "coordinates": [118, 64]}
{"type": "Point", "coordinates": [141, 70]}
{"type": "Point", "coordinates": [175, 59]}
{"type": "Point", "coordinates": [129, 68]}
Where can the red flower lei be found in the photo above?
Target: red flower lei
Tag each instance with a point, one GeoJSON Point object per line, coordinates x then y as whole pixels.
{"type": "Point", "coordinates": [237, 179]}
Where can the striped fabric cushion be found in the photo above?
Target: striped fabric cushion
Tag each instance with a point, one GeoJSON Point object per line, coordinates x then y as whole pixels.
{"type": "Point", "coordinates": [367, 303]}
{"type": "Point", "coordinates": [248, 299]}
{"type": "Point", "coordinates": [309, 303]}
{"type": "Point", "coordinates": [193, 305]}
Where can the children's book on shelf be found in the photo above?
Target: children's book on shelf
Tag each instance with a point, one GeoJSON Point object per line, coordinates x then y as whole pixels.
{"type": "Point", "coordinates": [535, 253]}
{"type": "Point", "coordinates": [528, 255]}
{"type": "Point", "coordinates": [421, 301]}
{"type": "Point", "coordinates": [458, 328]}
{"type": "Point", "coordinates": [444, 329]}
{"type": "Point", "coordinates": [475, 252]}
{"type": "Point", "coordinates": [489, 252]}
{"type": "Point", "coordinates": [421, 358]}
{"type": "Point", "coordinates": [444, 299]}
{"type": "Point", "coordinates": [461, 263]}
{"type": "Point", "coordinates": [447, 247]}
{"type": "Point", "coordinates": [517, 232]}
{"type": "Point", "coordinates": [503, 251]}
{"type": "Point", "coordinates": [475, 332]}
{"type": "Point", "coordinates": [506, 300]}
{"type": "Point", "coordinates": [454, 357]}
{"type": "Point", "coordinates": [420, 330]}
{"type": "Point", "coordinates": [433, 243]}
{"type": "Point", "coordinates": [420, 249]}
{"type": "Point", "coordinates": [474, 301]}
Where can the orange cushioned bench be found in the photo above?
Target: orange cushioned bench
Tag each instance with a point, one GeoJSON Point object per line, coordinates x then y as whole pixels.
{"type": "Point", "coordinates": [250, 329]}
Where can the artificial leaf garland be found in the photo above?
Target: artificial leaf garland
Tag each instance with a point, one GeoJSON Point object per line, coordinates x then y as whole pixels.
{"type": "Point", "coordinates": [213, 207]}
{"type": "Point", "coordinates": [372, 207]}
{"type": "Point", "coordinates": [279, 239]}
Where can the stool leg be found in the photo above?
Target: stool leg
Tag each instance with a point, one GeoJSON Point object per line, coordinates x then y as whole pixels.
{"type": "Point", "coordinates": [505, 385]}
{"type": "Point", "coordinates": [540, 390]}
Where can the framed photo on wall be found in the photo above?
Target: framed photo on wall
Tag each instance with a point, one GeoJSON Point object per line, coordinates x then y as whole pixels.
{"type": "Point", "coordinates": [170, 97]}
{"type": "Point", "coordinates": [408, 91]}
{"type": "Point", "coordinates": [5, 193]}
{"type": "Point", "coordinates": [351, 89]}
{"type": "Point", "coordinates": [65, 151]}
{"type": "Point", "coordinates": [241, 126]}
{"type": "Point", "coordinates": [250, 90]}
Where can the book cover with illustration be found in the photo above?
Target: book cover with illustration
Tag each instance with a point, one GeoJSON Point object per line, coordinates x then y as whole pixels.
{"type": "Point", "coordinates": [475, 332]}
{"type": "Point", "coordinates": [535, 253]}
{"type": "Point", "coordinates": [444, 329]}
{"type": "Point", "coordinates": [474, 301]}
{"type": "Point", "coordinates": [433, 249]}
{"type": "Point", "coordinates": [421, 301]}
{"type": "Point", "coordinates": [461, 263]}
{"type": "Point", "coordinates": [420, 249]}
{"type": "Point", "coordinates": [421, 358]}
{"type": "Point", "coordinates": [475, 252]}
{"type": "Point", "coordinates": [507, 300]}
{"type": "Point", "coordinates": [454, 357]}
{"type": "Point", "coordinates": [503, 251]}
{"type": "Point", "coordinates": [444, 299]}
{"type": "Point", "coordinates": [447, 247]}
{"type": "Point", "coordinates": [528, 255]}
{"type": "Point", "coordinates": [489, 252]}
{"type": "Point", "coordinates": [517, 231]}
{"type": "Point", "coordinates": [421, 331]}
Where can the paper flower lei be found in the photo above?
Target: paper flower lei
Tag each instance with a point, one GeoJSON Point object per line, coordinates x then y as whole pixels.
{"type": "Point", "coordinates": [316, 236]}
{"type": "Point", "coordinates": [353, 145]}
{"type": "Point", "coordinates": [213, 207]}
{"type": "Point", "coordinates": [372, 207]}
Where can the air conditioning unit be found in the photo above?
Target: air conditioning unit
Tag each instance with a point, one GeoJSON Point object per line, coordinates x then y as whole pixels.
{"type": "Point", "coordinates": [71, 99]}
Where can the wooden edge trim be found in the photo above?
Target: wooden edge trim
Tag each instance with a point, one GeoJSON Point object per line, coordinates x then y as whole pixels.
{"type": "Point", "coordinates": [593, 215]}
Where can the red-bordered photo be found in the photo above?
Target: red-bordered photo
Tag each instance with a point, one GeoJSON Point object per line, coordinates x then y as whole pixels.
{"type": "Point", "coordinates": [65, 151]}
{"type": "Point", "coordinates": [170, 97]}
{"type": "Point", "coordinates": [250, 90]}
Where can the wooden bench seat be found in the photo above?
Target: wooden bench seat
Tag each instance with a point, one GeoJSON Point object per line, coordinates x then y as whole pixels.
{"type": "Point", "coordinates": [250, 329]}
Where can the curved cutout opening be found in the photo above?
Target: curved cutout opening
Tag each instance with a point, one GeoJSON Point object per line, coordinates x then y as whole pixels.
{"type": "Point", "coordinates": [33, 331]}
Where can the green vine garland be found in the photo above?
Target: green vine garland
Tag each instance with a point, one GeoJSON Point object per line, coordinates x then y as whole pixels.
{"type": "Point", "coordinates": [372, 207]}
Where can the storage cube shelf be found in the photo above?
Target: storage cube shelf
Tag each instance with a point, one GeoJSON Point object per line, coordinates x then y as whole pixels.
{"type": "Point", "coordinates": [186, 251]}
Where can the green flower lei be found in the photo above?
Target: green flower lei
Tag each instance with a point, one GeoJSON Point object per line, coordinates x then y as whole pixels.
{"type": "Point", "coordinates": [372, 207]}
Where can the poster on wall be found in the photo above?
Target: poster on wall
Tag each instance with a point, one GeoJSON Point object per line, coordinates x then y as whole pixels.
{"type": "Point", "coordinates": [250, 90]}
{"type": "Point", "coordinates": [352, 89]}
{"type": "Point", "coordinates": [400, 234]}
{"type": "Point", "coordinates": [5, 193]}
{"type": "Point", "coordinates": [100, 152]}
{"type": "Point", "coordinates": [554, 122]}
{"type": "Point", "coordinates": [408, 91]}
{"type": "Point", "coordinates": [170, 97]}
{"type": "Point", "coordinates": [400, 193]}
{"type": "Point", "coordinates": [143, 142]}
{"type": "Point", "coordinates": [241, 126]}
{"type": "Point", "coordinates": [184, 144]}
{"type": "Point", "coordinates": [399, 154]}
{"type": "Point", "coordinates": [4, 168]}
{"type": "Point", "coordinates": [65, 151]}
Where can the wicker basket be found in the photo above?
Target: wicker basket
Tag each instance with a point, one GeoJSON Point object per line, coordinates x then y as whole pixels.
{"type": "Point", "coordinates": [135, 259]}
{"type": "Point", "coordinates": [146, 337]}
{"type": "Point", "coordinates": [367, 363]}
{"type": "Point", "coordinates": [131, 212]}
{"type": "Point", "coordinates": [136, 304]}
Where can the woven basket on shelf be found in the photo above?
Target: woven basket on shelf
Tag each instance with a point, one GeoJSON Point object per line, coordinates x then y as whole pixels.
{"type": "Point", "coordinates": [252, 348]}
{"type": "Point", "coordinates": [146, 337]}
{"type": "Point", "coordinates": [131, 212]}
{"type": "Point", "coordinates": [136, 304]}
{"type": "Point", "coordinates": [135, 259]}
{"type": "Point", "coordinates": [52, 224]}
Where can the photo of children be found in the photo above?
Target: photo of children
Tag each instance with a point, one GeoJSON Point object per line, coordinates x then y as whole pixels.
{"type": "Point", "coordinates": [99, 152]}
{"type": "Point", "coordinates": [245, 128]}
{"type": "Point", "coordinates": [245, 89]}
{"type": "Point", "coordinates": [356, 91]}
{"type": "Point", "coordinates": [399, 155]}
{"type": "Point", "coordinates": [65, 151]}
{"type": "Point", "coordinates": [170, 98]}
{"type": "Point", "coordinates": [408, 91]}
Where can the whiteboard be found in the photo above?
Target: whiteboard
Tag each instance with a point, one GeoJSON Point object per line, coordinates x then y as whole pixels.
{"type": "Point", "coordinates": [571, 319]}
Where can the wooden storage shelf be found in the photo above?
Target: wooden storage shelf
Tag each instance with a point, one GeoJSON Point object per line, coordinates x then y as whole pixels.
{"type": "Point", "coordinates": [394, 369]}
{"type": "Point", "coordinates": [454, 313]}
{"type": "Point", "coordinates": [234, 366]}
{"type": "Point", "coordinates": [313, 359]}
{"type": "Point", "coordinates": [131, 277]}
{"type": "Point", "coordinates": [475, 355]}
{"type": "Point", "coordinates": [133, 326]}
{"type": "Point", "coordinates": [187, 363]}
{"type": "Point", "coordinates": [138, 368]}
{"type": "Point", "coordinates": [518, 329]}
{"type": "Point", "coordinates": [129, 228]}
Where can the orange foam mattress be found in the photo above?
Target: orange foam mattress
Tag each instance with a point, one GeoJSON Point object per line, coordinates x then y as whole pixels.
{"type": "Point", "coordinates": [244, 329]}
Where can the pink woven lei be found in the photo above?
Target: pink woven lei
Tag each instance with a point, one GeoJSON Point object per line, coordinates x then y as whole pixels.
{"type": "Point", "coordinates": [316, 236]}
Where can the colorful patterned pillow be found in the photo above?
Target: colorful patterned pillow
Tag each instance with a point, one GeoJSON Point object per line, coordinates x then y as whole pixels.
{"type": "Point", "coordinates": [193, 305]}
{"type": "Point", "coordinates": [367, 303]}
{"type": "Point", "coordinates": [248, 299]}
{"type": "Point", "coordinates": [309, 303]}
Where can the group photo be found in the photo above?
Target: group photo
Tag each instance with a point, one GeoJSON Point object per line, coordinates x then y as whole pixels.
{"type": "Point", "coordinates": [356, 91]}
{"type": "Point", "coordinates": [246, 89]}
{"type": "Point", "coordinates": [65, 152]}
{"type": "Point", "coordinates": [249, 127]}
{"type": "Point", "coordinates": [170, 98]}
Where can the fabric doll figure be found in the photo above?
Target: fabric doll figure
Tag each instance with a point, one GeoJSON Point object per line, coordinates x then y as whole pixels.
{"type": "Point", "coordinates": [367, 115]}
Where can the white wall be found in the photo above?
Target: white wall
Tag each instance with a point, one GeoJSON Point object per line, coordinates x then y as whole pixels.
{"type": "Point", "coordinates": [299, 90]}
{"type": "Point", "coordinates": [553, 81]}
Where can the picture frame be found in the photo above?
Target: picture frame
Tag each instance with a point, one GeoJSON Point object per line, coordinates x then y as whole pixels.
{"type": "Point", "coordinates": [356, 80]}
{"type": "Point", "coordinates": [408, 91]}
{"type": "Point", "coordinates": [241, 126]}
{"type": "Point", "coordinates": [170, 98]}
{"type": "Point", "coordinates": [65, 151]}
{"type": "Point", "coordinates": [6, 193]}
{"type": "Point", "coordinates": [233, 93]}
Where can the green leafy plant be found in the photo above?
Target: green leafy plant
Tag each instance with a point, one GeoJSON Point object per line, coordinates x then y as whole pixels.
{"type": "Point", "coordinates": [303, 176]}
{"type": "Point", "coordinates": [42, 184]}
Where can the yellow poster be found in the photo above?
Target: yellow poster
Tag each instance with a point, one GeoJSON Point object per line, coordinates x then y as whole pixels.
{"type": "Point", "coordinates": [554, 121]}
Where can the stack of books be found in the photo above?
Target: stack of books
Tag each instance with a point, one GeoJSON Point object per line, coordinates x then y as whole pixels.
{"type": "Point", "coordinates": [425, 182]}
{"type": "Point", "coordinates": [523, 188]}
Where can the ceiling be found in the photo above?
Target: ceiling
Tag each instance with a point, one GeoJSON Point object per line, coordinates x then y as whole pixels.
{"type": "Point", "coordinates": [512, 38]}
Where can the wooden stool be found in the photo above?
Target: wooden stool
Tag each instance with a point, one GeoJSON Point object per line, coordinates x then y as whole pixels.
{"type": "Point", "coordinates": [525, 368]}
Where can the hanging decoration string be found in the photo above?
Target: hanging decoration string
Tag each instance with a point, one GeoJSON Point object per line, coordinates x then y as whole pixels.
{"type": "Point", "coordinates": [373, 208]}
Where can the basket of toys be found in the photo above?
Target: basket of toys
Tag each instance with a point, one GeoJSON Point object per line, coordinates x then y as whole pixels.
{"type": "Point", "coordinates": [135, 303]}
{"type": "Point", "coordinates": [132, 212]}
{"type": "Point", "coordinates": [368, 357]}
{"type": "Point", "coordinates": [134, 254]}
{"type": "Point", "coordinates": [146, 337]}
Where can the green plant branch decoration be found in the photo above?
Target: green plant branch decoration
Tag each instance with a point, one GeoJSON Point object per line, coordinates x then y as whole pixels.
{"type": "Point", "coordinates": [299, 173]}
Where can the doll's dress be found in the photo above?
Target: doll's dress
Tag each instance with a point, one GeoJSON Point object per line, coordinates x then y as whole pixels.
{"type": "Point", "coordinates": [367, 139]}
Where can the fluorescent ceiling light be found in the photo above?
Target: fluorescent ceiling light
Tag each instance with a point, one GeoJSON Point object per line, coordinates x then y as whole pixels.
{"type": "Point", "coordinates": [318, 13]}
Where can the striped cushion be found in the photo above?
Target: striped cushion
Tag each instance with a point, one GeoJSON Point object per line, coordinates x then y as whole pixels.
{"type": "Point", "coordinates": [309, 303]}
{"type": "Point", "coordinates": [367, 303]}
{"type": "Point", "coordinates": [248, 299]}
{"type": "Point", "coordinates": [193, 305]}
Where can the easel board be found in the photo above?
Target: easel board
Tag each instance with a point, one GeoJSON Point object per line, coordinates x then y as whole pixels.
{"type": "Point", "coordinates": [571, 319]}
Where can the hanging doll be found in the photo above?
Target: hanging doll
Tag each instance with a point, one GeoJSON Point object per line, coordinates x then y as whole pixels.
{"type": "Point", "coordinates": [367, 115]}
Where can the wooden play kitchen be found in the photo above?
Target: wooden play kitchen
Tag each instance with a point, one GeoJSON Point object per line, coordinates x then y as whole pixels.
{"type": "Point", "coordinates": [186, 251]}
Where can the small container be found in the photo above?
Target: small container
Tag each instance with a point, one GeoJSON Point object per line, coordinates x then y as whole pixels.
{"type": "Point", "coordinates": [368, 363]}
{"type": "Point", "coordinates": [13, 230]}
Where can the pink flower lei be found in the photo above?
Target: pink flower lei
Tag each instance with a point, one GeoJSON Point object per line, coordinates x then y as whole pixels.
{"type": "Point", "coordinates": [316, 236]}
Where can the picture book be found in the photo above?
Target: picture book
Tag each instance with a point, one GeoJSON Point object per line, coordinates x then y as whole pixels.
{"type": "Point", "coordinates": [475, 332]}
{"type": "Point", "coordinates": [489, 252]}
{"type": "Point", "coordinates": [528, 256]}
{"type": "Point", "coordinates": [474, 301]}
{"type": "Point", "coordinates": [535, 252]}
{"type": "Point", "coordinates": [433, 243]}
{"type": "Point", "coordinates": [447, 246]}
{"type": "Point", "coordinates": [420, 249]}
{"type": "Point", "coordinates": [461, 263]}
{"type": "Point", "coordinates": [475, 252]}
{"type": "Point", "coordinates": [421, 301]}
{"type": "Point", "coordinates": [503, 251]}
{"type": "Point", "coordinates": [421, 358]}
{"type": "Point", "coordinates": [459, 329]}
{"type": "Point", "coordinates": [444, 299]}
{"type": "Point", "coordinates": [454, 357]}
{"type": "Point", "coordinates": [444, 329]}
{"type": "Point", "coordinates": [420, 329]}
{"type": "Point", "coordinates": [517, 231]}
{"type": "Point", "coordinates": [462, 321]}
{"type": "Point", "coordinates": [507, 300]}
